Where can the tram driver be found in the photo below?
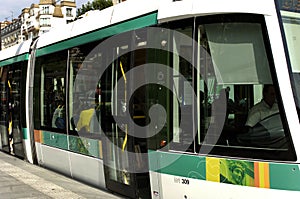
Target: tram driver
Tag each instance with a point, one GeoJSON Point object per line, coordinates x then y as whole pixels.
{"type": "Point", "coordinates": [263, 126]}
{"type": "Point", "coordinates": [266, 107]}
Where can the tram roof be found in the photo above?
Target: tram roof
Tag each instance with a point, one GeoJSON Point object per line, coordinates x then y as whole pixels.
{"type": "Point", "coordinates": [167, 10]}
{"type": "Point", "coordinates": [15, 53]}
{"type": "Point", "coordinates": [173, 10]}
{"type": "Point", "coordinates": [95, 20]}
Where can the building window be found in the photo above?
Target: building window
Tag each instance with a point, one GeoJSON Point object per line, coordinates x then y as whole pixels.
{"type": "Point", "coordinates": [69, 12]}
{"type": "Point", "coordinates": [45, 22]}
{"type": "Point", "coordinates": [45, 10]}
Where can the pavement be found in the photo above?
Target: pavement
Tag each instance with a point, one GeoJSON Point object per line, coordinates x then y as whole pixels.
{"type": "Point", "coordinates": [22, 180]}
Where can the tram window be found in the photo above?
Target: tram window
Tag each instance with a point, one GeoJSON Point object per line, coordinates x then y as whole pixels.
{"type": "Point", "coordinates": [183, 132]}
{"type": "Point", "coordinates": [291, 24]}
{"type": "Point", "coordinates": [51, 76]}
{"type": "Point", "coordinates": [236, 70]}
{"type": "Point", "coordinates": [4, 108]}
{"type": "Point", "coordinates": [232, 67]}
{"type": "Point", "coordinates": [84, 90]}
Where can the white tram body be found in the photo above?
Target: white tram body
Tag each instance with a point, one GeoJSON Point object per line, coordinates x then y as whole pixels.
{"type": "Point", "coordinates": [66, 98]}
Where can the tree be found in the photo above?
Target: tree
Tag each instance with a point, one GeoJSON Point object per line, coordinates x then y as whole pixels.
{"type": "Point", "coordinates": [95, 5]}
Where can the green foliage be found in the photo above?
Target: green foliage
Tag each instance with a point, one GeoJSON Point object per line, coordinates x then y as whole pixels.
{"type": "Point", "coordinates": [94, 5]}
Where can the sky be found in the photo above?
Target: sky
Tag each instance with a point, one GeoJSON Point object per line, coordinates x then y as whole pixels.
{"type": "Point", "coordinates": [9, 8]}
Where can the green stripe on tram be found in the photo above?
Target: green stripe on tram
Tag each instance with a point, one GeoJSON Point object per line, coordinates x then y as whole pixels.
{"type": "Point", "coordinates": [77, 144]}
{"type": "Point", "coordinates": [25, 133]}
{"type": "Point", "coordinates": [18, 58]}
{"type": "Point", "coordinates": [56, 140]}
{"type": "Point", "coordinates": [285, 176]}
{"type": "Point", "coordinates": [84, 146]}
{"type": "Point", "coordinates": [281, 176]}
{"type": "Point", "coordinates": [133, 24]}
{"type": "Point", "coordinates": [178, 164]}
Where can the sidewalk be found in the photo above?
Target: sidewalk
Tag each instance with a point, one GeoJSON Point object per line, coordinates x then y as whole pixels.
{"type": "Point", "coordinates": [19, 179]}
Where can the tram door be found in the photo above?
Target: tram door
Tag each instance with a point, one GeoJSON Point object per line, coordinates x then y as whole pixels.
{"type": "Point", "coordinates": [11, 131]}
{"type": "Point", "coordinates": [125, 159]}
{"type": "Point", "coordinates": [4, 110]}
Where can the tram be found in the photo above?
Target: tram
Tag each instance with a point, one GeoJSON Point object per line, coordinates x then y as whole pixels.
{"type": "Point", "coordinates": [154, 102]}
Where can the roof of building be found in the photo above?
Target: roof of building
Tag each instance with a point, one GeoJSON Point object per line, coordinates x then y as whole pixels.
{"type": "Point", "coordinates": [57, 12]}
{"type": "Point", "coordinates": [47, 2]}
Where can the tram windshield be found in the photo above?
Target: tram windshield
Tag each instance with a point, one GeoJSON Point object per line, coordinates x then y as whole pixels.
{"type": "Point", "coordinates": [290, 13]}
{"type": "Point", "coordinates": [236, 101]}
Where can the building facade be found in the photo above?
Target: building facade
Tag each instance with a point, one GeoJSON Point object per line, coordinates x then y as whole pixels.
{"type": "Point", "coordinates": [40, 18]}
{"type": "Point", "coordinates": [36, 20]}
{"type": "Point", "coordinates": [11, 34]}
{"type": "Point", "coordinates": [117, 1]}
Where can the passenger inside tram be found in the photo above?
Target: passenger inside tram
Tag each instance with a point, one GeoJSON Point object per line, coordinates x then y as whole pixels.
{"type": "Point", "coordinates": [88, 121]}
{"type": "Point", "coordinates": [58, 118]}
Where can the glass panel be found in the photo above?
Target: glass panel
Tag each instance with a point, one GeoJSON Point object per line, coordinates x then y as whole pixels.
{"type": "Point", "coordinates": [290, 13]}
{"type": "Point", "coordinates": [237, 95]}
{"type": "Point", "coordinates": [52, 90]}
{"type": "Point", "coordinates": [289, 5]}
{"type": "Point", "coordinates": [84, 96]}
{"type": "Point", "coordinates": [160, 94]}
{"type": "Point", "coordinates": [183, 134]}
{"type": "Point", "coordinates": [238, 52]}
{"type": "Point", "coordinates": [4, 108]}
{"type": "Point", "coordinates": [240, 99]}
{"type": "Point", "coordinates": [117, 146]}
{"type": "Point", "coordinates": [10, 126]}
{"type": "Point", "coordinates": [14, 79]}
